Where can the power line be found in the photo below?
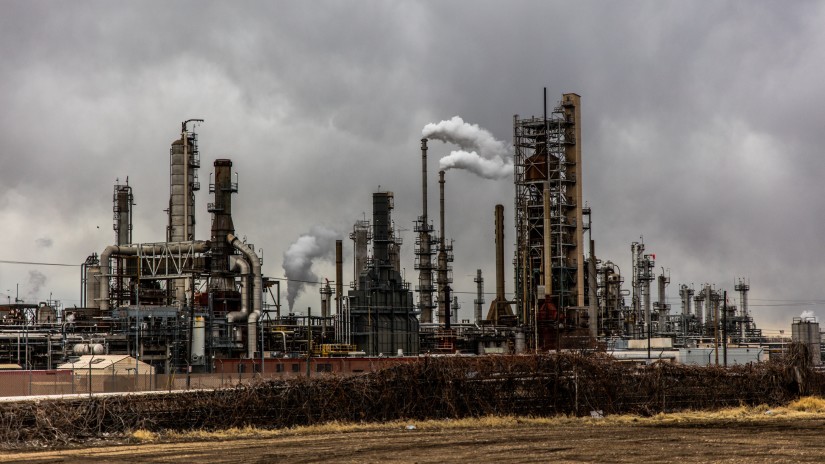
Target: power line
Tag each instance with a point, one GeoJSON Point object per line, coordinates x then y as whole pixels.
{"type": "Point", "coordinates": [4, 261]}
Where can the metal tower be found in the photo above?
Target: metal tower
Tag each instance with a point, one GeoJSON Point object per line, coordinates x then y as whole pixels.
{"type": "Point", "coordinates": [548, 164]}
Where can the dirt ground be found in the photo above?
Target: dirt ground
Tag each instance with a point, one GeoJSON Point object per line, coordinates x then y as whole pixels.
{"type": "Point", "coordinates": [779, 440]}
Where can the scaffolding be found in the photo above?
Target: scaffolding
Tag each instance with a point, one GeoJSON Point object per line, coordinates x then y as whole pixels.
{"type": "Point", "coordinates": [547, 159]}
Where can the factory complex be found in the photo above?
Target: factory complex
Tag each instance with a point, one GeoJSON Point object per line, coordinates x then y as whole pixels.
{"type": "Point", "coordinates": [181, 303]}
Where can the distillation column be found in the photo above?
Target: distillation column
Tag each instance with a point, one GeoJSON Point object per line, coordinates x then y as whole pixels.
{"type": "Point", "coordinates": [742, 287]}
{"type": "Point", "coordinates": [662, 307]}
{"type": "Point", "coordinates": [184, 161]}
{"type": "Point", "coordinates": [361, 237]}
{"type": "Point", "coordinates": [548, 153]}
{"type": "Point", "coordinates": [122, 218]}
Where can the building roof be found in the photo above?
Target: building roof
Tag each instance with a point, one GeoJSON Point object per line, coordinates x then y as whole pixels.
{"type": "Point", "coordinates": [99, 361]}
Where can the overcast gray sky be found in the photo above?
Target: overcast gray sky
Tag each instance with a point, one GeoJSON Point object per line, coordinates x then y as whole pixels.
{"type": "Point", "coordinates": [702, 127]}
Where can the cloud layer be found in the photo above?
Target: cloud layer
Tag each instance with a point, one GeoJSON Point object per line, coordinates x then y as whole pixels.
{"type": "Point", "coordinates": [702, 131]}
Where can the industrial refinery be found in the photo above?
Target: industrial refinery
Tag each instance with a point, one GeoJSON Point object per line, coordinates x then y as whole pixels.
{"type": "Point", "coordinates": [182, 303]}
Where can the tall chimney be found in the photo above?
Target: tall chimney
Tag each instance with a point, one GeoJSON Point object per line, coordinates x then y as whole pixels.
{"type": "Point", "coordinates": [443, 298]}
{"type": "Point", "coordinates": [499, 224]}
{"type": "Point", "coordinates": [424, 180]}
{"type": "Point", "coordinates": [499, 306]}
{"type": "Point", "coordinates": [222, 225]}
{"type": "Point", "coordinates": [339, 276]}
{"type": "Point", "coordinates": [424, 250]}
{"type": "Point", "coordinates": [479, 301]}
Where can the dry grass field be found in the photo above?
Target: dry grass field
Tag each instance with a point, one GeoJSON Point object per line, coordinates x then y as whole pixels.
{"type": "Point", "coordinates": [758, 434]}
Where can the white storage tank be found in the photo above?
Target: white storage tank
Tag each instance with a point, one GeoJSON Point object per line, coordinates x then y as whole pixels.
{"type": "Point", "coordinates": [806, 330]}
{"type": "Point", "coordinates": [198, 340]}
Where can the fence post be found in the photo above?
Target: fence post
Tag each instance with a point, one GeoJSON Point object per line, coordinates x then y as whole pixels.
{"type": "Point", "coordinates": [576, 387]}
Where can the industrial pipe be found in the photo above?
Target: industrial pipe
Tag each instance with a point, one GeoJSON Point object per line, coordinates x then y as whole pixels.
{"type": "Point", "coordinates": [257, 290]}
{"type": "Point", "coordinates": [240, 265]}
{"type": "Point", "coordinates": [199, 246]}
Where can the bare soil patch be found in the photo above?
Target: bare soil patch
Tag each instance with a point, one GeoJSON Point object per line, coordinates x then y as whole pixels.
{"type": "Point", "coordinates": [751, 437]}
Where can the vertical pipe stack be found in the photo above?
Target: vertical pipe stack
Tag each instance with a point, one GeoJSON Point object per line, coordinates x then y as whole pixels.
{"type": "Point", "coordinates": [479, 301]}
{"type": "Point", "coordinates": [424, 250]}
{"type": "Point", "coordinates": [222, 224]}
{"type": "Point", "coordinates": [182, 175]}
{"type": "Point", "coordinates": [593, 299]}
{"type": "Point", "coordinates": [442, 259]}
{"type": "Point", "coordinates": [499, 307]}
{"type": "Point", "coordinates": [339, 275]}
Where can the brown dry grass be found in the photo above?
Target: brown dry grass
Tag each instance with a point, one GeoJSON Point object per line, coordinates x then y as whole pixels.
{"type": "Point", "coordinates": [804, 408]}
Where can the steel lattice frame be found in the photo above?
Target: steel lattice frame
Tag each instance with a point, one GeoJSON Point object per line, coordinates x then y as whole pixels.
{"type": "Point", "coordinates": [548, 149]}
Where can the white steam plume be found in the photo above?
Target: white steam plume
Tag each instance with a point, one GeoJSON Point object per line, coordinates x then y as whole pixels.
{"type": "Point", "coordinates": [495, 168]}
{"type": "Point", "coordinates": [319, 243]}
{"type": "Point", "coordinates": [480, 152]}
{"type": "Point", "coordinates": [808, 314]}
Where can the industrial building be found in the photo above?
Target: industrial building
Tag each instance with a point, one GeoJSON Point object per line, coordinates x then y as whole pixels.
{"type": "Point", "coordinates": [183, 303]}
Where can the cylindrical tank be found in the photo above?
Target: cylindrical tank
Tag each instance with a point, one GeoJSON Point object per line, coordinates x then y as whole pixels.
{"type": "Point", "coordinates": [81, 349]}
{"type": "Point", "coordinates": [93, 281]}
{"type": "Point", "coordinates": [806, 331]}
{"type": "Point", "coordinates": [520, 344]}
{"type": "Point", "coordinates": [178, 193]}
{"type": "Point", "coordinates": [198, 340]}
{"type": "Point", "coordinates": [46, 314]}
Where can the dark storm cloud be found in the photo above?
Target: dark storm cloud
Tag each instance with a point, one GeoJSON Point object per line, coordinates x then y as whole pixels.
{"type": "Point", "coordinates": [701, 123]}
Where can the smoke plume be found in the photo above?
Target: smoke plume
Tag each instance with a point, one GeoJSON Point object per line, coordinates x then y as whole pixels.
{"type": "Point", "coordinates": [319, 243]}
{"type": "Point", "coordinates": [480, 152]}
{"type": "Point", "coordinates": [807, 314]}
{"type": "Point", "coordinates": [36, 281]}
{"type": "Point", "coordinates": [495, 168]}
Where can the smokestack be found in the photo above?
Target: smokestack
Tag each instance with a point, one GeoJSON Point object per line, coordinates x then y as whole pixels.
{"type": "Point", "coordinates": [424, 250]}
{"type": "Point", "coordinates": [424, 180]}
{"type": "Point", "coordinates": [499, 238]}
{"type": "Point", "coordinates": [339, 276]}
{"type": "Point", "coordinates": [443, 298]}
{"type": "Point", "coordinates": [441, 203]}
{"type": "Point", "coordinates": [222, 225]}
{"type": "Point", "coordinates": [479, 295]}
{"type": "Point", "coordinates": [499, 306]}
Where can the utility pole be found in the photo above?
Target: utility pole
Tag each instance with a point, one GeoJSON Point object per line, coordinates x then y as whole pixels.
{"type": "Point", "coordinates": [309, 338]}
{"type": "Point", "coordinates": [725, 327]}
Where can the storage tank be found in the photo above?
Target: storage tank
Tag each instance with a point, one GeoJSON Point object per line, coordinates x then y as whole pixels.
{"type": "Point", "coordinates": [46, 314]}
{"type": "Point", "coordinates": [806, 330]}
{"type": "Point", "coordinates": [93, 282]}
{"type": "Point", "coordinates": [198, 340]}
{"type": "Point", "coordinates": [81, 349]}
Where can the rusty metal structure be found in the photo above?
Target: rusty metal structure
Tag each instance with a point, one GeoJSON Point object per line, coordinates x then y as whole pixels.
{"type": "Point", "coordinates": [549, 261]}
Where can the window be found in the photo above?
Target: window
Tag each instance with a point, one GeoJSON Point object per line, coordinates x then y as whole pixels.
{"type": "Point", "coordinates": [296, 368]}
{"type": "Point", "coordinates": [323, 368]}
